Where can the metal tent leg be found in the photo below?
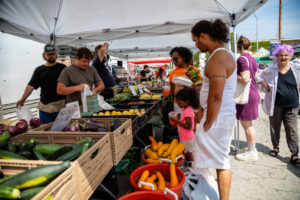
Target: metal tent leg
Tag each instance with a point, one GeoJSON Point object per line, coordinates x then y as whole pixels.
{"type": "Point", "coordinates": [108, 191]}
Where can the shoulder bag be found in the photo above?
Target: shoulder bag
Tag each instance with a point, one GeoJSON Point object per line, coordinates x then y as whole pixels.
{"type": "Point", "coordinates": [241, 95]}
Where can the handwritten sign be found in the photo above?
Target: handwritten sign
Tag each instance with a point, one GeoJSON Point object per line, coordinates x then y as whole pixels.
{"type": "Point", "coordinates": [132, 90]}
{"type": "Point", "coordinates": [74, 107]}
{"type": "Point", "coordinates": [62, 120]}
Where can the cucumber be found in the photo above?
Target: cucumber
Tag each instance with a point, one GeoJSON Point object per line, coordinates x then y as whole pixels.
{"type": "Point", "coordinates": [30, 193]}
{"type": "Point", "coordinates": [11, 147]}
{"type": "Point", "coordinates": [71, 155]}
{"type": "Point", "coordinates": [61, 151]}
{"type": "Point", "coordinates": [35, 177]}
{"type": "Point", "coordinates": [84, 148]}
{"type": "Point", "coordinates": [10, 156]}
{"type": "Point", "coordinates": [46, 149]}
{"type": "Point", "coordinates": [7, 192]}
{"type": "Point", "coordinates": [5, 136]}
{"type": "Point", "coordinates": [38, 155]}
{"type": "Point", "coordinates": [85, 140]}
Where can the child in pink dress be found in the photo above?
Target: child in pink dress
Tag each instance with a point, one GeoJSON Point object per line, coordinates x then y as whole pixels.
{"type": "Point", "coordinates": [187, 100]}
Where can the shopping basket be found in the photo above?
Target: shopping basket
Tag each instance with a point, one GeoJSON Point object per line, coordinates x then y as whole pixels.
{"type": "Point", "coordinates": [152, 168]}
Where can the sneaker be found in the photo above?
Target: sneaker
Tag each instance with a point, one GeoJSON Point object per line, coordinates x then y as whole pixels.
{"type": "Point", "coordinates": [242, 150]}
{"type": "Point", "coordinates": [247, 156]}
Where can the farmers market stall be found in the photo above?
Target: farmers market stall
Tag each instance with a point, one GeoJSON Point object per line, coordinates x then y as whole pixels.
{"type": "Point", "coordinates": [71, 164]}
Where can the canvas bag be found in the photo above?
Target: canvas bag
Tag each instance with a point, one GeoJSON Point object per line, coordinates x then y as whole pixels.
{"type": "Point", "coordinates": [241, 95]}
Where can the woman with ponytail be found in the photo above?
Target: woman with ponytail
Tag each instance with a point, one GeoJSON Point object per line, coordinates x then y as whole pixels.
{"type": "Point", "coordinates": [213, 135]}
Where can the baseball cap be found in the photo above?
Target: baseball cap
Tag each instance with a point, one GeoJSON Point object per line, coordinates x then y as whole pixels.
{"type": "Point", "coordinates": [49, 49]}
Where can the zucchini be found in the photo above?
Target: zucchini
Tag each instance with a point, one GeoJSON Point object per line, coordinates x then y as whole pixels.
{"type": "Point", "coordinates": [5, 136]}
{"type": "Point", "coordinates": [30, 193]}
{"type": "Point", "coordinates": [7, 192]}
{"type": "Point", "coordinates": [23, 147]}
{"type": "Point", "coordinates": [26, 154]}
{"type": "Point", "coordinates": [11, 147]}
{"type": "Point", "coordinates": [38, 155]}
{"type": "Point", "coordinates": [71, 155]}
{"type": "Point", "coordinates": [61, 151]}
{"type": "Point", "coordinates": [3, 145]}
{"type": "Point", "coordinates": [84, 148]}
{"type": "Point", "coordinates": [10, 156]}
{"type": "Point", "coordinates": [30, 144]}
{"type": "Point", "coordinates": [46, 149]}
{"type": "Point", "coordinates": [35, 177]}
{"type": "Point", "coordinates": [1, 173]}
{"type": "Point", "coordinates": [85, 140]}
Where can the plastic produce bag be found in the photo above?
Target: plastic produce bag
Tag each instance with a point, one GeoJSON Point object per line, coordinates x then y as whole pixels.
{"type": "Point", "coordinates": [103, 104]}
{"type": "Point", "coordinates": [24, 113]}
{"type": "Point", "coordinates": [84, 93]}
{"type": "Point", "coordinates": [200, 185]}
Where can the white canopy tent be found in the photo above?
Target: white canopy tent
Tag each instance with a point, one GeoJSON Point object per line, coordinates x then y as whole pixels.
{"type": "Point", "coordinates": [134, 28]}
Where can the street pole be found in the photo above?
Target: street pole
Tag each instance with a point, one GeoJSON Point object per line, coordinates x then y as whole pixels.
{"type": "Point", "coordinates": [256, 31]}
{"type": "Point", "coordinates": [280, 6]}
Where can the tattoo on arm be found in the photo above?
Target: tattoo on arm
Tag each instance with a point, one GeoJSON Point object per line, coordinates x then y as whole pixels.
{"type": "Point", "coordinates": [217, 76]}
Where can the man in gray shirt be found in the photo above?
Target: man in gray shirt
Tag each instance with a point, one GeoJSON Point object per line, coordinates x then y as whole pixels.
{"type": "Point", "coordinates": [72, 79]}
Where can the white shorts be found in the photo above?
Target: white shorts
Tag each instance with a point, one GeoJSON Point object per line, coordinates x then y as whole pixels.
{"type": "Point", "coordinates": [211, 148]}
{"type": "Point", "coordinates": [188, 145]}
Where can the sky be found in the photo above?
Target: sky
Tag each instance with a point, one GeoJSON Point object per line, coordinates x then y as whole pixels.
{"type": "Point", "coordinates": [268, 18]}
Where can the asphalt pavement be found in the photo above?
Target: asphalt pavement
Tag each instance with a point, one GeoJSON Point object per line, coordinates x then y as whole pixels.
{"type": "Point", "coordinates": [269, 178]}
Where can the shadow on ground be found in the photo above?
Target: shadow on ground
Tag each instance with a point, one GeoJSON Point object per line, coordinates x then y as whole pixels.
{"type": "Point", "coordinates": [242, 144]}
{"type": "Point", "coordinates": [266, 150]}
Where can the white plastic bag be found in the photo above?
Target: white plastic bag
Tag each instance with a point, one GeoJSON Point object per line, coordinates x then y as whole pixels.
{"type": "Point", "coordinates": [103, 104]}
{"type": "Point", "coordinates": [200, 185]}
{"type": "Point", "coordinates": [24, 113]}
{"type": "Point", "coordinates": [84, 93]}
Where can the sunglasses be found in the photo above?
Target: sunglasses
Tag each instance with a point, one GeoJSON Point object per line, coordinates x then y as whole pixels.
{"type": "Point", "coordinates": [174, 59]}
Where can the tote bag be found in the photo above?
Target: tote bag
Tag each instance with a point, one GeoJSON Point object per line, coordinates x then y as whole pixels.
{"type": "Point", "coordinates": [241, 95]}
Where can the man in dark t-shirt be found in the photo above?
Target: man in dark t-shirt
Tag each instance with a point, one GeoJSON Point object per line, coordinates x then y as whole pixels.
{"type": "Point", "coordinates": [104, 73]}
{"type": "Point", "coordinates": [143, 73]}
{"type": "Point", "coordinates": [45, 77]}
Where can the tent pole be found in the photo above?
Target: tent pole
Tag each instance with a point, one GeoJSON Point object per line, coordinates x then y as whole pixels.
{"type": "Point", "coordinates": [234, 41]}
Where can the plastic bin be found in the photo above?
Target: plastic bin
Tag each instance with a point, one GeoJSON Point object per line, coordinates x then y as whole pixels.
{"type": "Point", "coordinates": [164, 169]}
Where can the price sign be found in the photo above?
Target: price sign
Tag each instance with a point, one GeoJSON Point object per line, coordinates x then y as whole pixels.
{"type": "Point", "coordinates": [140, 89]}
{"type": "Point", "coordinates": [146, 90]}
{"type": "Point", "coordinates": [74, 107]}
{"type": "Point", "coordinates": [132, 90]}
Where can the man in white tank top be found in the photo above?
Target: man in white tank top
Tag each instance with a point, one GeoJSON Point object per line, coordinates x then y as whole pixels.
{"type": "Point", "coordinates": [213, 135]}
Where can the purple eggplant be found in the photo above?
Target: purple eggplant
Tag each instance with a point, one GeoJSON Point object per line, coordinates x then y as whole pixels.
{"type": "Point", "coordinates": [74, 127]}
{"type": "Point", "coordinates": [35, 122]}
{"type": "Point", "coordinates": [13, 130]}
{"type": "Point", "coordinates": [22, 126]}
{"type": "Point", "coordinates": [93, 127]}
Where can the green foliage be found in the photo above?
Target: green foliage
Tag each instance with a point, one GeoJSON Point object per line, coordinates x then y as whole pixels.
{"type": "Point", "coordinates": [264, 44]}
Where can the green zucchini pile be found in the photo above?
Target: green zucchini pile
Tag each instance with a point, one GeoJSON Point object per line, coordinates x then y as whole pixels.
{"type": "Point", "coordinates": [34, 150]}
{"type": "Point", "coordinates": [27, 184]}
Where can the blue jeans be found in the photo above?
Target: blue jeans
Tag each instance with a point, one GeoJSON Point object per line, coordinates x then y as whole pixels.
{"type": "Point", "coordinates": [47, 117]}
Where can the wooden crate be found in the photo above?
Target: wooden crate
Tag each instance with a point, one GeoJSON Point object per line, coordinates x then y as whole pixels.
{"type": "Point", "coordinates": [65, 186]}
{"type": "Point", "coordinates": [121, 139]}
{"type": "Point", "coordinates": [93, 165]}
